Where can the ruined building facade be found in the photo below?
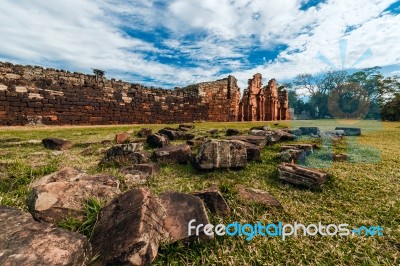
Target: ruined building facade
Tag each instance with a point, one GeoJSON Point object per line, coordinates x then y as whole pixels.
{"type": "Point", "coordinates": [263, 103]}
{"type": "Point", "coordinates": [36, 95]}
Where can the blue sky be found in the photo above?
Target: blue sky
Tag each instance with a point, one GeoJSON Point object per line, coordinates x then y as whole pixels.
{"type": "Point", "coordinates": [180, 42]}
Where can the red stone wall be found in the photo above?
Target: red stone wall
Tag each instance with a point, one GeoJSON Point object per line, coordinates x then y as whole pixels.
{"type": "Point", "coordinates": [55, 97]}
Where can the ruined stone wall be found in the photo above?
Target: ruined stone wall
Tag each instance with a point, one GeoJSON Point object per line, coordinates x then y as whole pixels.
{"type": "Point", "coordinates": [56, 97]}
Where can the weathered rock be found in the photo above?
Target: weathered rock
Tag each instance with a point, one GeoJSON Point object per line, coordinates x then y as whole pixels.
{"type": "Point", "coordinates": [213, 132]}
{"type": "Point", "coordinates": [232, 132]}
{"type": "Point", "coordinates": [215, 154]}
{"type": "Point", "coordinates": [138, 140]}
{"type": "Point", "coordinates": [129, 229]}
{"type": "Point", "coordinates": [308, 148]}
{"type": "Point", "coordinates": [186, 127]}
{"type": "Point", "coordinates": [258, 196]}
{"type": "Point", "coordinates": [124, 154]}
{"type": "Point", "coordinates": [62, 195]}
{"type": "Point", "coordinates": [157, 140]}
{"type": "Point", "coordinates": [350, 131]}
{"type": "Point", "coordinates": [309, 130]}
{"type": "Point", "coordinates": [144, 132]}
{"type": "Point", "coordinates": [261, 128]}
{"type": "Point", "coordinates": [340, 157]}
{"type": "Point", "coordinates": [181, 209]}
{"type": "Point", "coordinates": [253, 152]}
{"type": "Point", "coordinates": [259, 132]}
{"type": "Point", "coordinates": [23, 241]}
{"type": "Point", "coordinates": [175, 134]}
{"type": "Point", "coordinates": [214, 201]}
{"type": "Point", "coordinates": [173, 154]}
{"type": "Point", "coordinates": [121, 138]}
{"type": "Point", "coordinates": [293, 131]}
{"type": "Point", "coordinates": [285, 135]}
{"type": "Point", "coordinates": [148, 169]}
{"type": "Point", "coordinates": [293, 155]}
{"type": "Point", "coordinates": [194, 143]}
{"type": "Point", "coordinates": [56, 144]}
{"type": "Point", "coordinates": [302, 176]}
{"type": "Point", "coordinates": [256, 140]}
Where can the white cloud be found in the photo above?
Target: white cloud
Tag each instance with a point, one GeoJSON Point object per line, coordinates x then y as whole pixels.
{"type": "Point", "coordinates": [210, 35]}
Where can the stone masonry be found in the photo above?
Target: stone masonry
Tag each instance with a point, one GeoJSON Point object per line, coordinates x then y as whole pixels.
{"type": "Point", "coordinates": [36, 95]}
{"type": "Point", "coordinates": [263, 103]}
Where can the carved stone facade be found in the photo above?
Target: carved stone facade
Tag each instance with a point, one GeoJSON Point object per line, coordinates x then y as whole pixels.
{"type": "Point", "coordinates": [263, 103]}
{"type": "Point", "coordinates": [36, 95]}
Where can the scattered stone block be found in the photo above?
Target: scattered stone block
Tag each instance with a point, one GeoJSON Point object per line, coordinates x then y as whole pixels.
{"type": "Point", "coordinates": [181, 209]}
{"type": "Point", "coordinates": [121, 138]}
{"type": "Point", "coordinates": [258, 196]}
{"type": "Point", "coordinates": [302, 176]}
{"type": "Point", "coordinates": [124, 154]}
{"type": "Point", "coordinates": [293, 156]}
{"type": "Point", "coordinates": [308, 148]}
{"type": "Point", "coordinates": [24, 241]}
{"type": "Point", "coordinates": [56, 144]}
{"type": "Point", "coordinates": [144, 132]}
{"type": "Point", "coordinates": [309, 130]}
{"type": "Point", "coordinates": [340, 157]}
{"type": "Point", "coordinates": [232, 132]}
{"type": "Point", "coordinates": [62, 194]}
{"type": "Point", "coordinates": [256, 140]}
{"type": "Point", "coordinates": [157, 140]}
{"type": "Point", "coordinates": [186, 127]}
{"type": "Point", "coordinates": [174, 154]}
{"type": "Point", "coordinates": [215, 154]}
{"type": "Point", "coordinates": [253, 152]}
{"type": "Point", "coordinates": [350, 131]}
{"type": "Point", "coordinates": [129, 229]}
{"type": "Point", "coordinates": [214, 201]}
{"type": "Point", "coordinates": [176, 135]}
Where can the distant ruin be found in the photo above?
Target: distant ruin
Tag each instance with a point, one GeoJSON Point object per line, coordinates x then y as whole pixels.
{"type": "Point", "coordinates": [36, 95]}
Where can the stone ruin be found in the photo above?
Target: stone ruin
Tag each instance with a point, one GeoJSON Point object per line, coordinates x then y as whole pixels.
{"type": "Point", "coordinates": [36, 95]}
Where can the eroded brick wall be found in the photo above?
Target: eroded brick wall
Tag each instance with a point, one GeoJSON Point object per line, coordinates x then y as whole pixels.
{"type": "Point", "coordinates": [55, 97]}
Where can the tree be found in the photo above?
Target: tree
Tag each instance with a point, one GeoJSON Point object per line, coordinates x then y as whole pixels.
{"type": "Point", "coordinates": [391, 109]}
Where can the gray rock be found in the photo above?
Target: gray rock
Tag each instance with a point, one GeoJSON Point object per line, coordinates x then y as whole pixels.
{"type": "Point", "coordinates": [214, 201]}
{"type": "Point", "coordinates": [144, 132]}
{"type": "Point", "coordinates": [124, 154]}
{"type": "Point", "coordinates": [350, 131]}
{"type": "Point", "coordinates": [23, 241]}
{"type": "Point", "coordinates": [259, 141]}
{"type": "Point", "coordinates": [309, 130]}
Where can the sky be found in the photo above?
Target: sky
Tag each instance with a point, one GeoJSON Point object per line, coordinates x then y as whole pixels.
{"type": "Point", "coordinates": [180, 42]}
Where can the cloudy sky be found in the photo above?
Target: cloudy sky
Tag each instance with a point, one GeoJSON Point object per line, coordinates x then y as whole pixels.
{"type": "Point", "coordinates": [178, 42]}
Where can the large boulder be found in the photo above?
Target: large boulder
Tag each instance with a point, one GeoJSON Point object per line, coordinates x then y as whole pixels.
{"type": "Point", "coordinates": [259, 141]}
{"type": "Point", "coordinates": [174, 154]}
{"type": "Point", "coordinates": [253, 152]}
{"type": "Point", "coordinates": [56, 144]}
{"type": "Point", "coordinates": [129, 229]}
{"type": "Point", "coordinates": [302, 176]}
{"type": "Point", "coordinates": [124, 154]}
{"type": "Point", "coordinates": [181, 209]}
{"type": "Point", "coordinates": [215, 154]}
{"type": "Point", "coordinates": [24, 241]}
{"type": "Point", "coordinates": [157, 140]}
{"type": "Point", "coordinates": [232, 132]}
{"type": "Point", "coordinates": [63, 194]}
{"type": "Point", "coordinates": [214, 201]}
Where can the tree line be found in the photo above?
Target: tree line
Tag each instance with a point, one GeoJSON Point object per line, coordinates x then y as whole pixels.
{"type": "Point", "coordinates": [364, 94]}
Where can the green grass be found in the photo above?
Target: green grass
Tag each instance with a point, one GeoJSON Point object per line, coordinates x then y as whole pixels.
{"type": "Point", "coordinates": [362, 191]}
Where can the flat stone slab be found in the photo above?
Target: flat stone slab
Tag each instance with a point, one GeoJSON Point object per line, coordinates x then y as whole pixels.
{"type": "Point", "coordinates": [24, 241]}
{"type": "Point", "coordinates": [302, 176]}
{"type": "Point", "coordinates": [124, 154]}
{"type": "Point", "coordinates": [350, 131]}
{"type": "Point", "coordinates": [157, 140]}
{"type": "Point", "coordinates": [257, 196]}
{"type": "Point", "coordinates": [259, 141]}
{"type": "Point", "coordinates": [181, 208]}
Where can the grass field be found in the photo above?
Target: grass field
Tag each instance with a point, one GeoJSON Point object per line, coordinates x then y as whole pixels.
{"type": "Point", "coordinates": [363, 191]}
